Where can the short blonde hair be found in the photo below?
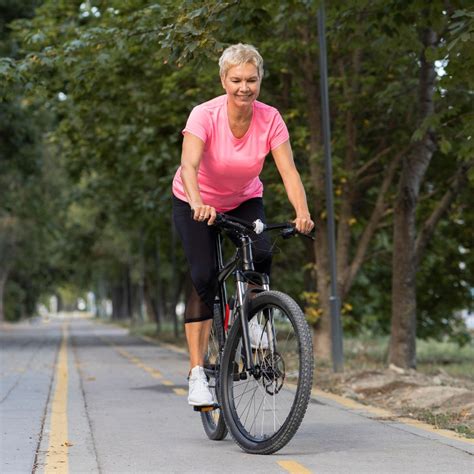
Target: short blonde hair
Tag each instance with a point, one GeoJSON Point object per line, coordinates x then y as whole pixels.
{"type": "Point", "coordinates": [238, 54]}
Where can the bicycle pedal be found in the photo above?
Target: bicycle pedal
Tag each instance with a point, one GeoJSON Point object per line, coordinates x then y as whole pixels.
{"type": "Point", "coordinates": [206, 408]}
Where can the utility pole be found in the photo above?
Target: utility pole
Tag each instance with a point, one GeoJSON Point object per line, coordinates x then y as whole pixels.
{"type": "Point", "coordinates": [335, 304]}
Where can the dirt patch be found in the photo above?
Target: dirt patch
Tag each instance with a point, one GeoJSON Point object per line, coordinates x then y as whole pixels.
{"type": "Point", "coordinates": [442, 400]}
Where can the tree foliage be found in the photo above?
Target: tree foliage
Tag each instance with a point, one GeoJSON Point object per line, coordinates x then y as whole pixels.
{"type": "Point", "coordinates": [117, 80]}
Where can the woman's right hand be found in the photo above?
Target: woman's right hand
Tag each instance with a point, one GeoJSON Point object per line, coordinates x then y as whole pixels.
{"type": "Point", "coordinates": [203, 212]}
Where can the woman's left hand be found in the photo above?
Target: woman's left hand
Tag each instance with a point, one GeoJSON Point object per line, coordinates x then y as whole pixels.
{"type": "Point", "coordinates": [304, 223]}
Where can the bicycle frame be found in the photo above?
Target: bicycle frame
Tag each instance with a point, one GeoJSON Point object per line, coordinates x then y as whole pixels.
{"type": "Point", "coordinates": [242, 265]}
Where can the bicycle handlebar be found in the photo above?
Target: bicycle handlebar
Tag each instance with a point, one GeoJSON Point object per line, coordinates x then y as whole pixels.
{"type": "Point", "coordinates": [288, 229]}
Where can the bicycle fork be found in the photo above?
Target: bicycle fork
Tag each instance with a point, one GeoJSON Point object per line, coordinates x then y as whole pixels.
{"type": "Point", "coordinates": [244, 296]}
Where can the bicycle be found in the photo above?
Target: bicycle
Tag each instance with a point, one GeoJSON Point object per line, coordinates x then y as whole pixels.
{"type": "Point", "coordinates": [260, 355]}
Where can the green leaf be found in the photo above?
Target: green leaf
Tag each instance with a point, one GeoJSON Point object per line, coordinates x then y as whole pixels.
{"type": "Point", "coordinates": [445, 146]}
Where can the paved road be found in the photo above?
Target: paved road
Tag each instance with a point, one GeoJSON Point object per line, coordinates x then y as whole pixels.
{"type": "Point", "coordinates": [79, 396]}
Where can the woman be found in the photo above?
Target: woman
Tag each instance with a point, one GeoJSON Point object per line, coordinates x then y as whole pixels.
{"type": "Point", "coordinates": [225, 143]}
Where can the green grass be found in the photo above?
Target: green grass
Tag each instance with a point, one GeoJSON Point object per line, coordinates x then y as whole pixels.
{"type": "Point", "coordinates": [447, 421]}
{"type": "Point", "coordinates": [366, 353]}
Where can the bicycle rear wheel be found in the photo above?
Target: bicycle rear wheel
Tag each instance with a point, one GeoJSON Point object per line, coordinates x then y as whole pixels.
{"type": "Point", "coordinates": [263, 410]}
{"type": "Point", "coordinates": [213, 421]}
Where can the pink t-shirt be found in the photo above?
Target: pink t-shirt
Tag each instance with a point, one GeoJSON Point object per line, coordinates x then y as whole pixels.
{"type": "Point", "coordinates": [229, 170]}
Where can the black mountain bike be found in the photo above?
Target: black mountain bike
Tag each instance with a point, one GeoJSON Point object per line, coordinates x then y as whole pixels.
{"type": "Point", "coordinates": [260, 355]}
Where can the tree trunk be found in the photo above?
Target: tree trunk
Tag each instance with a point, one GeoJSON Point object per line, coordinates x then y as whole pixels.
{"type": "Point", "coordinates": [174, 281]}
{"type": "Point", "coordinates": [8, 241]}
{"type": "Point", "coordinates": [402, 349]}
{"type": "Point", "coordinates": [3, 281]}
{"type": "Point", "coordinates": [142, 312]}
{"type": "Point", "coordinates": [350, 87]}
{"type": "Point", "coordinates": [322, 332]}
{"type": "Point", "coordinates": [117, 302]}
{"type": "Point", "coordinates": [159, 285]}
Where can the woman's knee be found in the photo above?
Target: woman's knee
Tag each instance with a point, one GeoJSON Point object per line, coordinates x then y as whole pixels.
{"type": "Point", "coordinates": [204, 278]}
{"type": "Point", "coordinates": [262, 258]}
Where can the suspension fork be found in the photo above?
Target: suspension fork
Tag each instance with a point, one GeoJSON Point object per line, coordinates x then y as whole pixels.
{"type": "Point", "coordinates": [264, 281]}
{"type": "Point", "coordinates": [244, 321]}
{"type": "Point", "coordinates": [244, 296]}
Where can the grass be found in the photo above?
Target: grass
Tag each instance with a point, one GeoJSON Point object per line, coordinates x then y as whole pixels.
{"type": "Point", "coordinates": [433, 357]}
{"type": "Point", "coordinates": [447, 421]}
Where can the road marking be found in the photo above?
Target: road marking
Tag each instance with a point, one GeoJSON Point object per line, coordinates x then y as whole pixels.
{"type": "Point", "coordinates": [155, 373]}
{"type": "Point", "coordinates": [139, 363]}
{"type": "Point", "coordinates": [294, 467]}
{"type": "Point", "coordinates": [57, 455]}
{"type": "Point", "coordinates": [390, 416]}
{"type": "Point", "coordinates": [180, 391]}
{"type": "Point", "coordinates": [170, 347]}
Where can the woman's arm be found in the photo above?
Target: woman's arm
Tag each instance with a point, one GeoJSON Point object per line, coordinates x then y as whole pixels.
{"type": "Point", "coordinates": [191, 155]}
{"type": "Point", "coordinates": [283, 157]}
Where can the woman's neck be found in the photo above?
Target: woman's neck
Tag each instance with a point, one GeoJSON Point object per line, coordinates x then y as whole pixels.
{"type": "Point", "coordinates": [239, 114]}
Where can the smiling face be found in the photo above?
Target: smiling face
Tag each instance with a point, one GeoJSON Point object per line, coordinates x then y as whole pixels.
{"type": "Point", "coordinates": [242, 84]}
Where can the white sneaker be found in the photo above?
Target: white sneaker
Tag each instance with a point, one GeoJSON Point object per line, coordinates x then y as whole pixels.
{"type": "Point", "coordinates": [199, 393]}
{"type": "Point", "coordinates": [258, 335]}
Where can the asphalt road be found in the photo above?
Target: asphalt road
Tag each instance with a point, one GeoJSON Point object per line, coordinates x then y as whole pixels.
{"type": "Point", "coordinates": [80, 396]}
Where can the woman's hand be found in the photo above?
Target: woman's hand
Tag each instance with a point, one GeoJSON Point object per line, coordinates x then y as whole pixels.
{"type": "Point", "coordinates": [304, 223]}
{"type": "Point", "coordinates": [203, 212]}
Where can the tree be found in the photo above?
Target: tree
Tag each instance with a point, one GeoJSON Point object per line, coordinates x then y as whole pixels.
{"type": "Point", "coordinates": [408, 246]}
{"type": "Point", "coordinates": [120, 82]}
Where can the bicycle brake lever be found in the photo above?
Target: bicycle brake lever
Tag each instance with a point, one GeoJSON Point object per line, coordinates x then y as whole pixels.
{"type": "Point", "coordinates": [219, 219]}
{"type": "Point", "coordinates": [288, 233]}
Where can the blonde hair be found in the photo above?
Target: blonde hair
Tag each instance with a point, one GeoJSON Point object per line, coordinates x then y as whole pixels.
{"type": "Point", "coordinates": [238, 54]}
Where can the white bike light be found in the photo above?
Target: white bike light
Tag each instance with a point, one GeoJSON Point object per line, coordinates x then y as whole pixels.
{"type": "Point", "coordinates": [258, 226]}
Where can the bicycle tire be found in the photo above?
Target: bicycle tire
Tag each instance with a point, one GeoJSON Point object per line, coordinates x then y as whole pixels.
{"type": "Point", "coordinates": [279, 369]}
{"type": "Point", "coordinates": [213, 421]}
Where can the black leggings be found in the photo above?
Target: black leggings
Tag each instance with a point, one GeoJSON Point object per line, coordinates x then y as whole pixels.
{"type": "Point", "coordinates": [199, 247]}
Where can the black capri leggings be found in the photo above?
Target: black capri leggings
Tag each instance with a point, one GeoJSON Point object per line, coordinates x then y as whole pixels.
{"type": "Point", "coordinates": [199, 247]}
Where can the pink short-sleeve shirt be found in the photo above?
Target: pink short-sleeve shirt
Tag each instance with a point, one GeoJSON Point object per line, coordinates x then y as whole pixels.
{"type": "Point", "coordinates": [229, 170]}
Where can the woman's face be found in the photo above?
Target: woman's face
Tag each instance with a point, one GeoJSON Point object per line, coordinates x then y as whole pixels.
{"type": "Point", "coordinates": [242, 84]}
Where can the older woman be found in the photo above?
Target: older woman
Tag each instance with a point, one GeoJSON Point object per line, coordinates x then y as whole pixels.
{"type": "Point", "coordinates": [225, 144]}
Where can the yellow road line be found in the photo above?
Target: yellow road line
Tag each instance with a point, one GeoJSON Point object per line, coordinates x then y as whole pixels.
{"type": "Point", "coordinates": [155, 373]}
{"type": "Point", "coordinates": [57, 456]}
{"type": "Point", "coordinates": [382, 413]}
{"type": "Point", "coordinates": [171, 347]}
{"type": "Point", "coordinates": [180, 391]}
{"type": "Point", "coordinates": [294, 467]}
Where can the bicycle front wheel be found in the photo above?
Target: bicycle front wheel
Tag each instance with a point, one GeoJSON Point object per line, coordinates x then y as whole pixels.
{"type": "Point", "coordinates": [264, 409]}
{"type": "Point", "coordinates": [213, 421]}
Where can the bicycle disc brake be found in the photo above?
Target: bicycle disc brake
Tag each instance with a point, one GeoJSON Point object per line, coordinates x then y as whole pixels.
{"type": "Point", "coordinates": [273, 371]}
